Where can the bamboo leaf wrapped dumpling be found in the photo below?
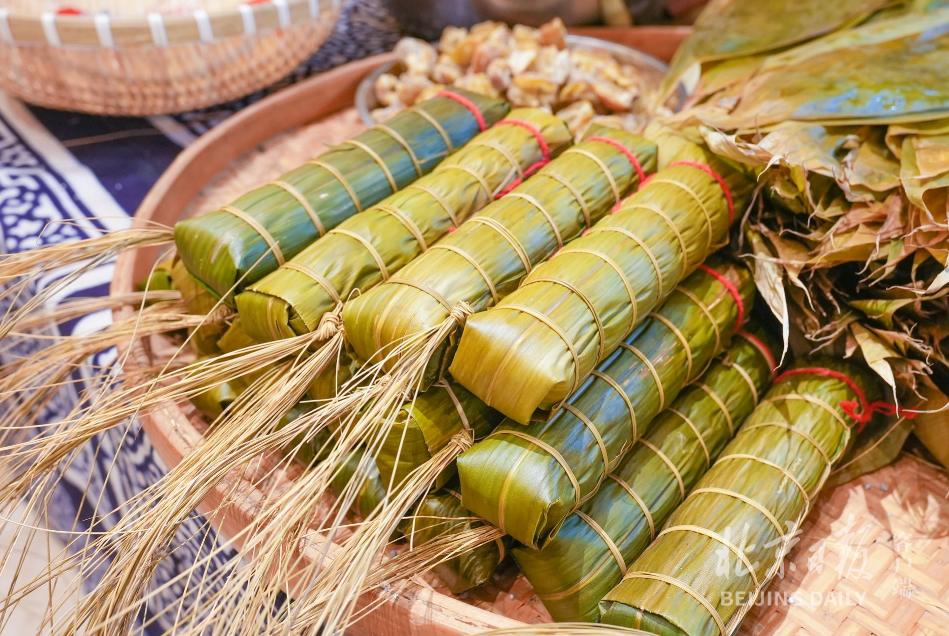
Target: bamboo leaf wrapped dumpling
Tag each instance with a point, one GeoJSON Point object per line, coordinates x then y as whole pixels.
{"type": "Point", "coordinates": [441, 513]}
{"type": "Point", "coordinates": [487, 257]}
{"type": "Point", "coordinates": [425, 425]}
{"type": "Point", "coordinates": [596, 544]}
{"type": "Point", "coordinates": [527, 480]}
{"type": "Point", "coordinates": [729, 537]}
{"type": "Point", "coordinates": [370, 247]}
{"type": "Point", "coordinates": [533, 349]}
{"type": "Point", "coordinates": [240, 243]}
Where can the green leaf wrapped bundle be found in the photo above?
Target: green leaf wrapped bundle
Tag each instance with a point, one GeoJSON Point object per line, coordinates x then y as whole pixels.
{"type": "Point", "coordinates": [371, 490]}
{"type": "Point", "coordinates": [441, 512]}
{"type": "Point", "coordinates": [371, 247]}
{"type": "Point", "coordinates": [199, 302]}
{"type": "Point", "coordinates": [729, 538]}
{"type": "Point", "coordinates": [532, 350]}
{"type": "Point", "coordinates": [426, 425]}
{"type": "Point", "coordinates": [274, 222]}
{"type": "Point", "coordinates": [487, 257]}
{"type": "Point", "coordinates": [528, 480]}
{"type": "Point", "coordinates": [215, 400]}
{"type": "Point", "coordinates": [596, 544]}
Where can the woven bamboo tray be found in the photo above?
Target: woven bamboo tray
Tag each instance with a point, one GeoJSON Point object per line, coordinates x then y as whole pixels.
{"type": "Point", "coordinates": [897, 517]}
{"type": "Point", "coordinates": [116, 62]}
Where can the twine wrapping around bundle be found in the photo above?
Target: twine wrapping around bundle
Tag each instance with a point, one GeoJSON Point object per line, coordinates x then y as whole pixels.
{"type": "Point", "coordinates": [576, 308]}
{"type": "Point", "coordinates": [760, 488]}
{"type": "Point", "coordinates": [230, 248]}
{"type": "Point", "coordinates": [625, 515]}
{"type": "Point", "coordinates": [576, 449]}
{"type": "Point", "coordinates": [488, 255]}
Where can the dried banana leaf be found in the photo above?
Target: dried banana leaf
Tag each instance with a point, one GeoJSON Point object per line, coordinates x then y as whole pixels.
{"type": "Point", "coordinates": [241, 243]}
{"type": "Point", "coordinates": [725, 543]}
{"type": "Point", "coordinates": [932, 429]}
{"type": "Point", "coordinates": [441, 513]}
{"type": "Point", "coordinates": [888, 71]}
{"type": "Point", "coordinates": [728, 29]}
{"type": "Point", "coordinates": [596, 544]}
{"type": "Point", "coordinates": [488, 255]}
{"type": "Point", "coordinates": [528, 480]}
{"type": "Point", "coordinates": [425, 426]}
{"type": "Point", "coordinates": [371, 247]}
{"type": "Point", "coordinates": [532, 350]}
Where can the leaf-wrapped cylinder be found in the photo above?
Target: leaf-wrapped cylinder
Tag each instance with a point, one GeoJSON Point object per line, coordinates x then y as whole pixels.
{"type": "Point", "coordinates": [535, 347]}
{"type": "Point", "coordinates": [216, 399]}
{"type": "Point", "coordinates": [425, 425]}
{"type": "Point", "coordinates": [246, 240]}
{"type": "Point", "coordinates": [199, 302]}
{"type": "Point", "coordinates": [372, 246]}
{"type": "Point", "coordinates": [528, 480]}
{"type": "Point", "coordinates": [441, 513]}
{"type": "Point", "coordinates": [371, 491]}
{"type": "Point", "coordinates": [596, 544]}
{"type": "Point", "coordinates": [730, 536]}
{"type": "Point", "coordinates": [487, 256]}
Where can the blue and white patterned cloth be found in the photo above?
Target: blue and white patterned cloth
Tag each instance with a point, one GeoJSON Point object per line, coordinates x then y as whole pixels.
{"type": "Point", "coordinates": [93, 172]}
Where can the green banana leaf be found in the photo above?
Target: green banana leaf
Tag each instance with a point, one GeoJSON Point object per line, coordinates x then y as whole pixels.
{"type": "Point", "coordinates": [730, 536]}
{"type": "Point", "coordinates": [439, 513]}
{"type": "Point", "coordinates": [576, 569]}
{"type": "Point", "coordinates": [237, 245]}
{"type": "Point", "coordinates": [525, 355]}
{"type": "Point", "coordinates": [371, 491]}
{"type": "Point", "coordinates": [426, 425]}
{"type": "Point", "coordinates": [515, 479]}
{"type": "Point", "coordinates": [888, 71]}
{"type": "Point", "coordinates": [159, 279]}
{"type": "Point", "coordinates": [727, 29]}
{"type": "Point", "coordinates": [215, 400]}
{"type": "Point", "coordinates": [489, 254]}
{"type": "Point", "coordinates": [200, 302]}
{"type": "Point", "coordinates": [373, 246]}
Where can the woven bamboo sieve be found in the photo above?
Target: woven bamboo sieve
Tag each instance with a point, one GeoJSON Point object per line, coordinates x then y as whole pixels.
{"type": "Point", "coordinates": [127, 58]}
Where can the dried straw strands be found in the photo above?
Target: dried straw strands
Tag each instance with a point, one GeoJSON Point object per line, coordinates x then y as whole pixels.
{"type": "Point", "coordinates": [371, 247]}
{"type": "Point", "coordinates": [528, 480]}
{"type": "Point", "coordinates": [596, 544]}
{"type": "Point", "coordinates": [425, 425]}
{"type": "Point", "coordinates": [730, 535]}
{"type": "Point", "coordinates": [532, 350]}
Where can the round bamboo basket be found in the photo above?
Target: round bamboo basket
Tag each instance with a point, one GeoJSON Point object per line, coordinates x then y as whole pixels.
{"type": "Point", "coordinates": [146, 57]}
{"type": "Point", "coordinates": [901, 589]}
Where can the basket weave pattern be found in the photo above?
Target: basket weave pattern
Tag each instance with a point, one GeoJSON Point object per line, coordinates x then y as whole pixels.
{"type": "Point", "coordinates": [148, 79]}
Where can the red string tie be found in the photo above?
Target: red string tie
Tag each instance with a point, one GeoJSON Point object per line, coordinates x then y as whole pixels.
{"type": "Point", "coordinates": [626, 151]}
{"type": "Point", "coordinates": [859, 410]}
{"type": "Point", "coordinates": [544, 151]}
{"type": "Point", "coordinates": [732, 289]}
{"type": "Point", "coordinates": [707, 169]}
{"type": "Point", "coordinates": [467, 103]}
{"type": "Point", "coordinates": [772, 362]}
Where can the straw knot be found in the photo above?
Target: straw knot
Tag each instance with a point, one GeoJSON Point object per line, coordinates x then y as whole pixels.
{"type": "Point", "coordinates": [463, 439]}
{"type": "Point", "coordinates": [460, 312]}
{"type": "Point", "coordinates": [330, 324]}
